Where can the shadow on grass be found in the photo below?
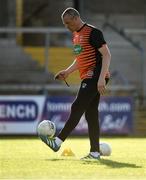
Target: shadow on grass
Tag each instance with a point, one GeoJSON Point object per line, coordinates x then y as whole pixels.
{"type": "Point", "coordinates": [107, 162]}
{"type": "Point", "coordinates": [113, 164]}
{"type": "Point", "coordinates": [62, 159]}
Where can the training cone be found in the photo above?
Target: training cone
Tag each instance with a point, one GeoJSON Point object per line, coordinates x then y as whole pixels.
{"type": "Point", "coordinates": [67, 152]}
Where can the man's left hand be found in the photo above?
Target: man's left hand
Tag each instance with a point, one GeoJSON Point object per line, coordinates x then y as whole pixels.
{"type": "Point", "coordinates": [101, 85]}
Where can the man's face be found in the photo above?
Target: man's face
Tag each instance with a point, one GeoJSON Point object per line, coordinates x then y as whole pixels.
{"type": "Point", "coordinates": [70, 22]}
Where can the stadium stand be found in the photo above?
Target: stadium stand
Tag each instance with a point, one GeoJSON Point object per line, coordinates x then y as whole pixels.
{"type": "Point", "coordinates": [59, 58]}
{"type": "Point", "coordinates": [124, 54]}
{"type": "Point", "coordinates": [17, 67]}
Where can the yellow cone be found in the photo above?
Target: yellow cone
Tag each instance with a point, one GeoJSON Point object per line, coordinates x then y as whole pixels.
{"type": "Point", "coordinates": [67, 152]}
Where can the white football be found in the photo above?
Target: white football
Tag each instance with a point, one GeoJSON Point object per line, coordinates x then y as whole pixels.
{"type": "Point", "coordinates": [105, 149]}
{"type": "Point", "coordinates": [46, 128]}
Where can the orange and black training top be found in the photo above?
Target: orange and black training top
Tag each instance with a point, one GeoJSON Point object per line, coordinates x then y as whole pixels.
{"type": "Point", "coordinates": [86, 41]}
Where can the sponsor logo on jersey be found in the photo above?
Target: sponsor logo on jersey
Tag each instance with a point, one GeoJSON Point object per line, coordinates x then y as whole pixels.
{"type": "Point", "coordinates": [78, 49]}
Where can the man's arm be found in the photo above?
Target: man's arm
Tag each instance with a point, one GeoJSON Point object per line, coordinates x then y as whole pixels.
{"type": "Point", "coordinates": [61, 75]}
{"type": "Point", "coordinates": [106, 58]}
{"type": "Point", "coordinates": [97, 40]}
{"type": "Point", "coordinates": [73, 67]}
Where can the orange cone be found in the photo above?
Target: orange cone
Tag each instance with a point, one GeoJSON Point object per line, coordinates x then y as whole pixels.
{"type": "Point", "coordinates": [67, 152]}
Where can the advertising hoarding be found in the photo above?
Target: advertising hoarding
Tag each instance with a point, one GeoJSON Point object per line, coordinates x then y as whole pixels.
{"type": "Point", "coordinates": [21, 114]}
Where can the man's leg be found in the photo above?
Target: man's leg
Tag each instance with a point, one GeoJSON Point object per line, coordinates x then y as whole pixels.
{"type": "Point", "coordinates": [92, 118]}
{"type": "Point", "coordinates": [79, 106]}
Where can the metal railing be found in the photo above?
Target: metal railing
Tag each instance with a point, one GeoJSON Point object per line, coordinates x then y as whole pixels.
{"type": "Point", "coordinates": [46, 31]}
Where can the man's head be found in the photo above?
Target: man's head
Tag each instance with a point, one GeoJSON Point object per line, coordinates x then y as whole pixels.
{"type": "Point", "coordinates": [71, 19]}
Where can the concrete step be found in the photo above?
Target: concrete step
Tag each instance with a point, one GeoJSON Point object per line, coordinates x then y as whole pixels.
{"type": "Point", "coordinates": [26, 77]}
{"type": "Point", "coordinates": [140, 122]}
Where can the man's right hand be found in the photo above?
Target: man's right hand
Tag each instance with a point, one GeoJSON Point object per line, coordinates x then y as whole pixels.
{"type": "Point", "coordinates": [61, 75]}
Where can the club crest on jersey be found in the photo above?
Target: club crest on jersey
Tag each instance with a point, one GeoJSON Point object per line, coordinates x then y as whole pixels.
{"type": "Point", "coordinates": [78, 49]}
{"type": "Point", "coordinates": [90, 73]}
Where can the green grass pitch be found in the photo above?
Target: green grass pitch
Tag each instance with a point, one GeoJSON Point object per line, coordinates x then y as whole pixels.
{"type": "Point", "coordinates": [29, 158]}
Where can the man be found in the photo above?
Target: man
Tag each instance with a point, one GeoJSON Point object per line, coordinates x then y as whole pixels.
{"type": "Point", "coordinates": [92, 60]}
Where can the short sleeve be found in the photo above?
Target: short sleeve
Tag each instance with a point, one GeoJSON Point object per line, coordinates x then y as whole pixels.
{"type": "Point", "coordinates": [96, 38]}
